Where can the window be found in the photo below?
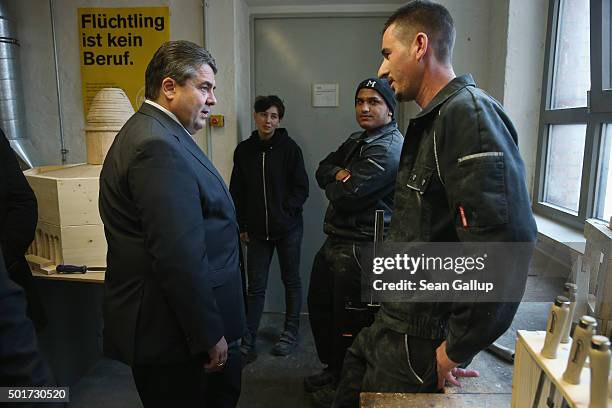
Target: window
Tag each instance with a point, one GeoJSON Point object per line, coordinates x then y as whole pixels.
{"type": "Point", "coordinates": [574, 168]}
{"type": "Point", "coordinates": [603, 209]}
{"type": "Point", "coordinates": [564, 166]}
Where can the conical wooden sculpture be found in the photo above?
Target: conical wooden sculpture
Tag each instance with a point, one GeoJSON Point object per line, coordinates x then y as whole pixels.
{"type": "Point", "coordinates": [69, 228]}
{"type": "Point", "coordinates": [108, 112]}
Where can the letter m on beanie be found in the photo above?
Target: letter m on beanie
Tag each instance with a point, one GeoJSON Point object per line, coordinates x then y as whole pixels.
{"type": "Point", "coordinates": [371, 84]}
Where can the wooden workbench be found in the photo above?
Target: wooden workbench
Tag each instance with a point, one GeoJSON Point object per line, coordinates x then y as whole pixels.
{"type": "Point", "coordinates": [71, 342]}
{"type": "Point", "coordinates": [88, 277]}
{"type": "Point", "coordinates": [381, 400]}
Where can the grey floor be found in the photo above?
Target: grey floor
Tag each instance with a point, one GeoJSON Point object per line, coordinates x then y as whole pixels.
{"type": "Point", "coordinates": [276, 382]}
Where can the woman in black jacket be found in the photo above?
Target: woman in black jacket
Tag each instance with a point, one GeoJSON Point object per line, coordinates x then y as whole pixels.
{"type": "Point", "coordinates": [269, 186]}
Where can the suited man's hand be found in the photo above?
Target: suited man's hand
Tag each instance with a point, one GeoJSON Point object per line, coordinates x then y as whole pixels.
{"type": "Point", "coordinates": [244, 236]}
{"type": "Point", "coordinates": [218, 356]}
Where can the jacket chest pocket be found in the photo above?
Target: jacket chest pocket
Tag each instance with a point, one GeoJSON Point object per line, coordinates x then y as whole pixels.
{"type": "Point", "coordinates": [419, 179]}
{"type": "Point", "coordinates": [481, 190]}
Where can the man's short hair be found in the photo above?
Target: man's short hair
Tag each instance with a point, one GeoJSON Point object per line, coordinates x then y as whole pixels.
{"type": "Point", "coordinates": [263, 103]}
{"type": "Point", "coordinates": [430, 18]}
{"type": "Point", "coordinates": [178, 60]}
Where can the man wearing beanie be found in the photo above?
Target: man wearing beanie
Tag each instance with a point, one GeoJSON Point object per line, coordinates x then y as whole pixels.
{"type": "Point", "coordinates": [358, 179]}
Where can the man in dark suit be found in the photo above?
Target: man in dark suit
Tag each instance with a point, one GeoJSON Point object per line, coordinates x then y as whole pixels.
{"type": "Point", "coordinates": [173, 305]}
{"type": "Point", "coordinates": [18, 217]}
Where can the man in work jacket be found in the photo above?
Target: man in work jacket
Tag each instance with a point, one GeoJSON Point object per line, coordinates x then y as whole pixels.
{"type": "Point", "coordinates": [460, 179]}
{"type": "Point", "coordinates": [358, 179]}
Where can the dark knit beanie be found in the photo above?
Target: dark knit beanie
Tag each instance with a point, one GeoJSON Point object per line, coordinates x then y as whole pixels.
{"type": "Point", "coordinates": [382, 87]}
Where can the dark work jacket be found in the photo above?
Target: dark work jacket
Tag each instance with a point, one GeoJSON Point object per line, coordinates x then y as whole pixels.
{"type": "Point", "coordinates": [372, 158]}
{"type": "Point", "coordinates": [18, 218]}
{"type": "Point", "coordinates": [269, 185]}
{"type": "Point", "coordinates": [461, 150]}
{"type": "Point", "coordinates": [173, 286]}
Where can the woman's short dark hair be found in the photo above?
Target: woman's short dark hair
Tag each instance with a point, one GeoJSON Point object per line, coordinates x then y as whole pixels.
{"type": "Point", "coordinates": [263, 103]}
{"type": "Point", "coordinates": [179, 60]}
{"type": "Point", "coordinates": [430, 18]}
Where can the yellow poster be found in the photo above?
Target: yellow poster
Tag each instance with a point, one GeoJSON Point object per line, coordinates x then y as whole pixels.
{"type": "Point", "coordinates": [116, 45]}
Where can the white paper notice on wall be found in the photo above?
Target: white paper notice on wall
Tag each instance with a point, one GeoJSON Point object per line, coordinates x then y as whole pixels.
{"type": "Point", "coordinates": [325, 95]}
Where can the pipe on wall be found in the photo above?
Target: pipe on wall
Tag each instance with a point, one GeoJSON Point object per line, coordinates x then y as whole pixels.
{"type": "Point", "coordinates": [63, 150]}
{"type": "Point", "coordinates": [12, 111]}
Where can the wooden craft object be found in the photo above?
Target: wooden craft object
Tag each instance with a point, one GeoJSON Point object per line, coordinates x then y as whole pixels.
{"type": "Point", "coordinates": [69, 228]}
{"type": "Point", "coordinates": [108, 112]}
{"type": "Point", "coordinates": [595, 277]}
{"type": "Point", "coordinates": [528, 365]}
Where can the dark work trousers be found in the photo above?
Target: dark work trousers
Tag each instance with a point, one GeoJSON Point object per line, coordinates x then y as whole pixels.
{"type": "Point", "coordinates": [381, 360]}
{"type": "Point", "coordinates": [259, 256]}
{"type": "Point", "coordinates": [188, 385]}
{"type": "Point", "coordinates": [335, 282]}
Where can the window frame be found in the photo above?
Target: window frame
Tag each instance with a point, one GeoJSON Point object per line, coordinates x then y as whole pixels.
{"type": "Point", "coordinates": [597, 112]}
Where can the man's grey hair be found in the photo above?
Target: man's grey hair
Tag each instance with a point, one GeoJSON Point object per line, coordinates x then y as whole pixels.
{"type": "Point", "coordinates": [179, 60]}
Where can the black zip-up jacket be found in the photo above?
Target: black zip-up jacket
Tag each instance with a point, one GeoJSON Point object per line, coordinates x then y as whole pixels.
{"type": "Point", "coordinates": [269, 185]}
{"type": "Point", "coordinates": [460, 151]}
{"type": "Point", "coordinates": [372, 159]}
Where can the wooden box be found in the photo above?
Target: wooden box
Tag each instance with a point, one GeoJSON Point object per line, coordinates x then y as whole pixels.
{"type": "Point", "coordinates": [595, 278]}
{"type": "Point", "coordinates": [67, 195]}
{"type": "Point", "coordinates": [69, 229]}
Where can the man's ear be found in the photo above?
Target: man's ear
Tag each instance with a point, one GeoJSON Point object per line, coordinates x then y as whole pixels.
{"type": "Point", "coordinates": [168, 87]}
{"type": "Point", "coordinates": [421, 42]}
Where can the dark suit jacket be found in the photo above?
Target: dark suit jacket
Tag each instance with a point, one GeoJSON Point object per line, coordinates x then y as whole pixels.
{"type": "Point", "coordinates": [20, 360]}
{"type": "Point", "coordinates": [173, 285]}
{"type": "Point", "coordinates": [18, 217]}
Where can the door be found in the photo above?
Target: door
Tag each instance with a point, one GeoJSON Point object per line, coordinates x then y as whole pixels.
{"type": "Point", "coordinates": [290, 55]}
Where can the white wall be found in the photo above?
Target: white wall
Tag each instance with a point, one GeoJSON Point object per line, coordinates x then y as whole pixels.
{"type": "Point", "coordinates": [243, 74]}
{"type": "Point", "coordinates": [228, 40]}
{"type": "Point", "coordinates": [498, 47]}
{"type": "Point", "coordinates": [39, 85]}
{"type": "Point", "coordinates": [472, 52]}
{"type": "Point", "coordinates": [480, 47]}
{"type": "Point", "coordinates": [523, 74]}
